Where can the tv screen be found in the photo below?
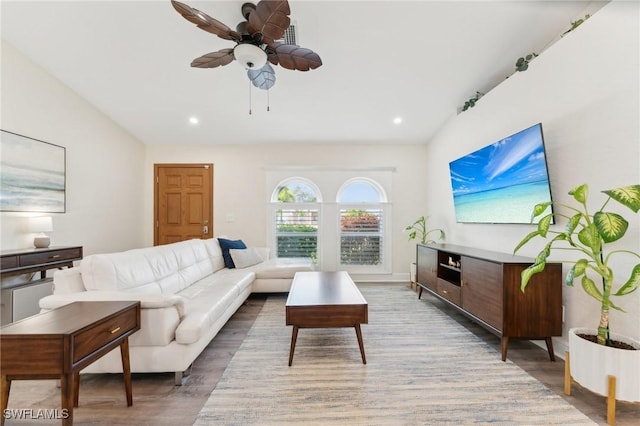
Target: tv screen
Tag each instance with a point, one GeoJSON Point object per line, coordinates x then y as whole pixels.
{"type": "Point", "coordinates": [502, 182]}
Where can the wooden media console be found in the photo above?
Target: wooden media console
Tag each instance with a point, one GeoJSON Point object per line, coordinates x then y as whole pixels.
{"type": "Point", "coordinates": [485, 286]}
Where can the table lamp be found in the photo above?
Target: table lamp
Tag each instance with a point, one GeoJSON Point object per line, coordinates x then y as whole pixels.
{"type": "Point", "coordinates": [40, 225]}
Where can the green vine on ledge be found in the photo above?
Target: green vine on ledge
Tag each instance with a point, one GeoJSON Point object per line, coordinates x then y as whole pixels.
{"type": "Point", "coordinates": [522, 64]}
{"type": "Point", "coordinates": [472, 101]}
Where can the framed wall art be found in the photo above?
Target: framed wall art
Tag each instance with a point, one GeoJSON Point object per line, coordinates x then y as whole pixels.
{"type": "Point", "coordinates": [32, 175]}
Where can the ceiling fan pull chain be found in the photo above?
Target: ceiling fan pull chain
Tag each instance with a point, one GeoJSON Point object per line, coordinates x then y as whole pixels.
{"type": "Point", "coordinates": [267, 100]}
{"type": "Point", "coordinates": [249, 97]}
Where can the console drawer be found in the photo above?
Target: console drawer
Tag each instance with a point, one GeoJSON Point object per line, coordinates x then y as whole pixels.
{"type": "Point", "coordinates": [89, 340]}
{"type": "Point", "coordinates": [50, 256]}
{"type": "Point", "coordinates": [449, 291]}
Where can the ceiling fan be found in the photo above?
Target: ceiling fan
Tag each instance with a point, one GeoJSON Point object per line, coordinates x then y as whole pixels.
{"type": "Point", "coordinates": [255, 38]}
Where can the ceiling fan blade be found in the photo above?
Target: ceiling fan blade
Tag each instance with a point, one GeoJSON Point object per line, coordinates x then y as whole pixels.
{"type": "Point", "coordinates": [214, 59]}
{"type": "Point", "coordinates": [264, 78]}
{"type": "Point", "coordinates": [206, 22]}
{"type": "Point", "coordinates": [294, 57]}
{"type": "Point", "coordinates": [270, 18]}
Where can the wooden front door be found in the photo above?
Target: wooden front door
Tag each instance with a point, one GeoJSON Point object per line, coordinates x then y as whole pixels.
{"type": "Point", "coordinates": [183, 202]}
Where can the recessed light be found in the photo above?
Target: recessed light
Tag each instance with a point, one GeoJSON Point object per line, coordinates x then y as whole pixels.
{"type": "Point", "coordinates": [397, 120]}
{"type": "Point", "coordinates": [194, 120]}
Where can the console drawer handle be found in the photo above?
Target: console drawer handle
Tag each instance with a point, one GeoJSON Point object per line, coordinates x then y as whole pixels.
{"type": "Point", "coordinates": [55, 256]}
{"type": "Point", "coordinates": [115, 330]}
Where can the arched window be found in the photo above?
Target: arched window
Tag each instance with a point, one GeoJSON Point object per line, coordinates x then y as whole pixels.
{"type": "Point", "coordinates": [362, 217]}
{"type": "Point", "coordinates": [295, 204]}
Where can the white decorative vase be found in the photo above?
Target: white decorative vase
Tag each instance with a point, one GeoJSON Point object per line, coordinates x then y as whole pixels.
{"type": "Point", "coordinates": [591, 364]}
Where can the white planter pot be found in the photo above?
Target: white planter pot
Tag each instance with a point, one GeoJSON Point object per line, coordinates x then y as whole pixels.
{"type": "Point", "coordinates": [591, 364]}
{"type": "Point", "coordinates": [412, 272]}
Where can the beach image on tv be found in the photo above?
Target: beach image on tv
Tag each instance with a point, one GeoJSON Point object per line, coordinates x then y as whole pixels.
{"type": "Point", "coordinates": [501, 183]}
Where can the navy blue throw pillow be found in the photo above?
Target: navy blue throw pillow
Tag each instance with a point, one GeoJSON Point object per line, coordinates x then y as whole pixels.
{"type": "Point", "coordinates": [225, 245]}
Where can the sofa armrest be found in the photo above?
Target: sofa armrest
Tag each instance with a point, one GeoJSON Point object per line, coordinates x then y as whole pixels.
{"type": "Point", "coordinates": [68, 281]}
{"type": "Point", "coordinates": [147, 301]}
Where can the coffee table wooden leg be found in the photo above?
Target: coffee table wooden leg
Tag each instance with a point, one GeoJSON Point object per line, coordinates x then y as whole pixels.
{"type": "Point", "coordinates": [67, 396]}
{"type": "Point", "coordinates": [294, 337]}
{"type": "Point", "coordinates": [361, 343]}
{"type": "Point", "coordinates": [5, 384]}
{"type": "Point", "coordinates": [126, 370]}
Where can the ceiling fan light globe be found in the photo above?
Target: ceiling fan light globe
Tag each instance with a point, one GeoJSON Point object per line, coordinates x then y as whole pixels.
{"type": "Point", "coordinates": [251, 57]}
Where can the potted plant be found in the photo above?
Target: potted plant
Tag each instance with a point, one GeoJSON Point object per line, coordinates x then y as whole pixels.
{"type": "Point", "coordinates": [595, 354]}
{"type": "Point", "coordinates": [418, 231]}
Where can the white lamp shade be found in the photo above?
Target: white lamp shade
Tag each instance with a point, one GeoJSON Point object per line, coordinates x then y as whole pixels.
{"type": "Point", "coordinates": [41, 224]}
{"type": "Point", "coordinates": [250, 56]}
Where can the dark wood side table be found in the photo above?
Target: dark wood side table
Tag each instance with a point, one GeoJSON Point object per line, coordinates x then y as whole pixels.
{"type": "Point", "coordinates": [59, 343]}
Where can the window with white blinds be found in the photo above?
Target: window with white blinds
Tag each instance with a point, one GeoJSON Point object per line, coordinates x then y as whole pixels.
{"type": "Point", "coordinates": [362, 230]}
{"type": "Point", "coordinates": [361, 236]}
{"type": "Point", "coordinates": [296, 216]}
{"type": "Point", "coordinates": [296, 232]}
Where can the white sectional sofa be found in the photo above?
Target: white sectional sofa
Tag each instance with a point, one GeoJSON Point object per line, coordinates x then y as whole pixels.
{"type": "Point", "coordinates": [186, 293]}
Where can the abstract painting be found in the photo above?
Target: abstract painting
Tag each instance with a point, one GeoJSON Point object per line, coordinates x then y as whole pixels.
{"type": "Point", "coordinates": [32, 175]}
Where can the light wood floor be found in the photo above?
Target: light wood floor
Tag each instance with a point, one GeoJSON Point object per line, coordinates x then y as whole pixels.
{"type": "Point", "coordinates": [158, 402]}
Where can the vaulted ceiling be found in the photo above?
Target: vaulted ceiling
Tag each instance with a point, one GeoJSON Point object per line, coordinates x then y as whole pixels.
{"type": "Point", "coordinates": [418, 60]}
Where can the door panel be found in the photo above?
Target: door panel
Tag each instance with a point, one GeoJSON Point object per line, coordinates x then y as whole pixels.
{"type": "Point", "coordinates": [183, 202]}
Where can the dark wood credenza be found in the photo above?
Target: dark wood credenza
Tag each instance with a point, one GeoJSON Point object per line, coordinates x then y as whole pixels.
{"type": "Point", "coordinates": [485, 286]}
{"type": "Point", "coordinates": [19, 298]}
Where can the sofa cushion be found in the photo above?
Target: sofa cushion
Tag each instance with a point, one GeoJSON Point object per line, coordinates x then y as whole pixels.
{"type": "Point", "coordinates": [160, 269]}
{"type": "Point", "coordinates": [227, 245]}
{"type": "Point", "coordinates": [281, 267]}
{"type": "Point", "coordinates": [215, 253]}
{"type": "Point", "coordinates": [243, 258]}
{"type": "Point", "coordinates": [207, 300]}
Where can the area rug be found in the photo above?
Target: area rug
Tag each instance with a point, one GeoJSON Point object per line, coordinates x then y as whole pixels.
{"type": "Point", "coordinates": [422, 368]}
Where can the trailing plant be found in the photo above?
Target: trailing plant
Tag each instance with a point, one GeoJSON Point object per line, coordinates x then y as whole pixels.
{"type": "Point", "coordinates": [577, 23]}
{"type": "Point", "coordinates": [522, 64]}
{"type": "Point", "coordinates": [418, 231]}
{"type": "Point", "coordinates": [588, 234]}
{"type": "Point", "coordinates": [472, 101]}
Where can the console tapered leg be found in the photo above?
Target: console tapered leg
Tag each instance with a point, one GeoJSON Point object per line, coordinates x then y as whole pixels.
{"type": "Point", "coordinates": [294, 337]}
{"type": "Point", "coordinates": [360, 343]}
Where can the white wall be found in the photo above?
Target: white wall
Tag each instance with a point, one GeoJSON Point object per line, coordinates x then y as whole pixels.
{"type": "Point", "coordinates": [104, 163]}
{"type": "Point", "coordinates": [240, 192]}
{"type": "Point", "coordinates": [585, 91]}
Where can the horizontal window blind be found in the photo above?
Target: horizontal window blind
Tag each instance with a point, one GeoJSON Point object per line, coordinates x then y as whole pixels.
{"type": "Point", "coordinates": [361, 236]}
{"type": "Point", "coordinates": [297, 232]}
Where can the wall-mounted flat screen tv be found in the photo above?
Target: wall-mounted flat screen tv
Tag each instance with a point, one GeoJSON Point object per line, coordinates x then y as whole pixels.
{"type": "Point", "coordinates": [502, 182]}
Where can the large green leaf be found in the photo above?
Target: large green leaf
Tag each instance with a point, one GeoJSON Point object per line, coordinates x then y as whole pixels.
{"type": "Point", "coordinates": [580, 193]}
{"type": "Point", "coordinates": [591, 289]}
{"type": "Point", "coordinates": [578, 269]}
{"type": "Point", "coordinates": [632, 284]}
{"type": "Point", "coordinates": [529, 272]}
{"type": "Point", "coordinates": [590, 237]}
{"type": "Point", "coordinates": [543, 225]}
{"type": "Point", "coordinates": [538, 209]}
{"type": "Point", "coordinates": [573, 223]}
{"type": "Point", "coordinates": [628, 196]}
{"type": "Point", "coordinates": [611, 226]}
